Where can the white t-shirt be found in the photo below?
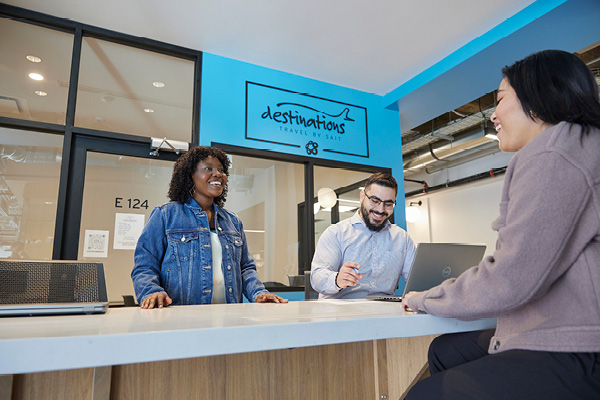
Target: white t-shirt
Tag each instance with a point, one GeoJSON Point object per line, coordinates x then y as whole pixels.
{"type": "Point", "coordinates": [218, 295]}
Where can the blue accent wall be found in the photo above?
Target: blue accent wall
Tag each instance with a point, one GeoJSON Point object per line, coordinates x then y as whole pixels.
{"type": "Point", "coordinates": [465, 75]}
{"type": "Point", "coordinates": [223, 115]}
{"type": "Point", "coordinates": [475, 69]}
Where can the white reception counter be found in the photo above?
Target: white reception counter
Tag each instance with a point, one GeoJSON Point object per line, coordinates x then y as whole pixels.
{"type": "Point", "coordinates": [131, 335]}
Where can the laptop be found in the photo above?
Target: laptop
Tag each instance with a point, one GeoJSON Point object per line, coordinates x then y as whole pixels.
{"type": "Point", "coordinates": [436, 262]}
{"type": "Point", "coordinates": [29, 288]}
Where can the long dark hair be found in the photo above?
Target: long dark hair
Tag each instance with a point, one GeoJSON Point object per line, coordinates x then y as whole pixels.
{"type": "Point", "coordinates": [555, 86]}
{"type": "Point", "coordinates": [185, 167]}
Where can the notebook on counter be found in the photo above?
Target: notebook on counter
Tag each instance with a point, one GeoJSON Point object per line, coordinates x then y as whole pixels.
{"type": "Point", "coordinates": [29, 288]}
{"type": "Point", "coordinates": [436, 262]}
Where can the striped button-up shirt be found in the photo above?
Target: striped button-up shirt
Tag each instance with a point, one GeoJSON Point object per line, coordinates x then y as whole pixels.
{"type": "Point", "coordinates": [384, 257]}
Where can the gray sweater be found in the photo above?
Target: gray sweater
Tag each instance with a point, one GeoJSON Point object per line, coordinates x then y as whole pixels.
{"type": "Point", "coordinates": [543, 281]}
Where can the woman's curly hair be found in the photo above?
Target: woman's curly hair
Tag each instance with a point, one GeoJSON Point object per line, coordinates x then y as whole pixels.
{"type": "Point", "coordinates": [181, 181]}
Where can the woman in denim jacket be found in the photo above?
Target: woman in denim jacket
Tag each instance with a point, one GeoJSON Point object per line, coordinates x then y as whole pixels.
{"type": "Point", "coordinates": [193, 251]}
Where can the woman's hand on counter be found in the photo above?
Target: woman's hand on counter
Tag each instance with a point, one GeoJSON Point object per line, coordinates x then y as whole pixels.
{"type": "Point", "coordinates": [405, 301]}
{"type": "Point", "coordinates": [158, 299]}
{"type": "Point", "coordinates": [270, 298]}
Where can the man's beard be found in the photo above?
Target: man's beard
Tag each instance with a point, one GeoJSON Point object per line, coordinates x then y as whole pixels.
{"type": "Point", "coordinates": [365, 216]}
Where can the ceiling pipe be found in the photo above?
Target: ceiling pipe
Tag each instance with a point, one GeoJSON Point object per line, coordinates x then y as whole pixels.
{"type": "Point", "coordinates": [441, 150]}
{"type": "Point", "coordinates": [479, 153]}
{"type": "Point", "coordinates": [494, 172]}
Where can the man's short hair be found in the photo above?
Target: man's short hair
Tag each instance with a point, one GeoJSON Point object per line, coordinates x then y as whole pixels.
{"type": "Point", "coordinates": [382, 179]}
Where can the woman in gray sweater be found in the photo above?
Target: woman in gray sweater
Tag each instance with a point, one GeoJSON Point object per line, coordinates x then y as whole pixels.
{"type": "Point", "coordinates": [543, 281]}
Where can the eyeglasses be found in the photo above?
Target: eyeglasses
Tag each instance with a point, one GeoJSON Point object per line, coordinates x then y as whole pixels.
{"type": "Point", "coordinates": [375, 201]}
{"type": "Point", "coordinates": [212, 170]}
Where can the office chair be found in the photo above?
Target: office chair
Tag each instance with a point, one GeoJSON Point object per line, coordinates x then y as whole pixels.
{"type": "Point", "coordinates": [40, 282]}
{"type": "Point", "coordinates": [309, 292]}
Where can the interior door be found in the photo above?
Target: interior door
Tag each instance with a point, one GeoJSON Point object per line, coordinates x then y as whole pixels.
{"type": "Point", "coordinates": [117, 187]}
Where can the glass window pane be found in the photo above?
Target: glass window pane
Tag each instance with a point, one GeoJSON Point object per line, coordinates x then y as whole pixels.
{"type": "Point", "coordinates": [28, 49]}
{"type": "Point", "coordinates": [345, 183]}
{"type": "Point", "coordinates": [29, 179]}
{"type": "Point", "coordinates": [128, 90]}
{"type": "Point", "coordinates": [349, 202]}
{"type": "Point", "coordinates": [119, 194]}
{"type": "Point", "coordinates": [266, 194]}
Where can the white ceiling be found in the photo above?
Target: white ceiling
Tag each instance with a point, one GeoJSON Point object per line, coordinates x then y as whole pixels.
{"type": "Point", "coordinates": [373, 46]}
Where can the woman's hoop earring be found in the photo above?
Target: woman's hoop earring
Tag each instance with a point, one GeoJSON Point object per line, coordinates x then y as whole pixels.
{"type": "Point", "coordinates": [192, 190]}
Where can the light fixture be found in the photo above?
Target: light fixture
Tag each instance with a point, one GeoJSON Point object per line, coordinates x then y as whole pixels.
{"type": "Point", "coordinates": [413, 214]}
{"type": "Point", "coordinates": [108, 99]}
{"type": "Point", "coordinates": [36, 77]}
{"type": "Point", "coordinates": [33, 59]}
{"type": "Point", "coordinates": [158, 84]}
{"type": "Point", "coordinates": [41, 93]}
{"type": "Point", "coordinates": [327, 197]}
{"type": "Point", "coordinates": [490, 132]}
{"type": "Point", "coordinates": [148, 110]}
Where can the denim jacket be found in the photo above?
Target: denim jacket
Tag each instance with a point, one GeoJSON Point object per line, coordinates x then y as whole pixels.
{"type": "Point", "coordinates": [174, 255]}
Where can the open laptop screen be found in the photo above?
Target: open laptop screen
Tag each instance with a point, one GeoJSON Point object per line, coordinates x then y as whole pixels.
{"type": "Point", "coordinates": [436, 262]}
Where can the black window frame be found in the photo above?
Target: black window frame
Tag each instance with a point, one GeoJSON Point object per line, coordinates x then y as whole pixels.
{"type": "Point", "coordinates": [77, 140]}
{"type": "Point", "coordinates": [306, 230]}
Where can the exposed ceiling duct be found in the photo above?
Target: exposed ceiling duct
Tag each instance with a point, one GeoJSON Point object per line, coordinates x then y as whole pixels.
{"type": "Point", "coordinates": [448, 141]}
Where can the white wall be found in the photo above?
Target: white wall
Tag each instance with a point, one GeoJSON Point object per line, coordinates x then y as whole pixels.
{"type": "Point", "coordinates": [459, 215]}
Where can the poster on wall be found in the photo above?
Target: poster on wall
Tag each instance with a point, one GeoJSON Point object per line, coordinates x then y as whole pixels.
{"type": "Point", "coordinates": [128, 228]}
{"type": "Point", "coordinates": [95, 244]}
{"type": "Point", "coordinates": [317, 125]}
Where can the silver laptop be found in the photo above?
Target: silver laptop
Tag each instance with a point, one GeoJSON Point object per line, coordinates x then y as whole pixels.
{"type": "Point", "coordinates": [30, 287]}
{"type": "Point", "coordinates": [436, 262]}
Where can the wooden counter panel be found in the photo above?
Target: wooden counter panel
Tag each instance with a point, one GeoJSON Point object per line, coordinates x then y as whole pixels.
{"type": "Point", "coordinates": [399, 361]}
{"type": "Point", "coordinates": [74, 384]}
{"type": "Point", "coordinates": [341, 371]}
{"type": "Point", "coordinates": [194, 378]}
{"type": "Point", "coordinates": [358, 370]}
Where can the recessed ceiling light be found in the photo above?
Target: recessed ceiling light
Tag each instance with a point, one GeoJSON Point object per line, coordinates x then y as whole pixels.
{"type": "Point", "coordinates": [148, 110]}
{"type": "Point", "coordinates": [36, 77]}
{"type": "Point", "coordinates": [99, 119]}
{"type": "Point", "coordinates": [34, 59]}
{"type": "Point", "coordinates": [41, 93]}
{"type": "Point", "coordinates": [108, 99]}
{"type": "Point", "coordinates": [158, 84]}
